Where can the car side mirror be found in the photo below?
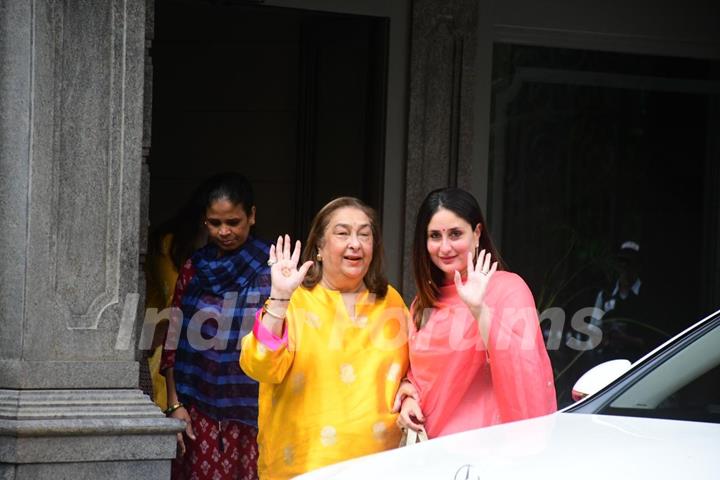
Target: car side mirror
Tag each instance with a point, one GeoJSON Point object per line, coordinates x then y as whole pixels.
{"type": "Point", "coordinates": [599, 377]}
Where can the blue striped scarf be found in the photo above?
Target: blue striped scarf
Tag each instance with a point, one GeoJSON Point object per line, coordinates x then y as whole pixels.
{"type": "Point", "coordinates": [222, 296]}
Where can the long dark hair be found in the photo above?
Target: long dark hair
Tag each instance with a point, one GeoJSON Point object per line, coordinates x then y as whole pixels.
{"type": "Point", "coordinates": [427, 275]}
{"type": "Point", "coordinates": [375, 279]}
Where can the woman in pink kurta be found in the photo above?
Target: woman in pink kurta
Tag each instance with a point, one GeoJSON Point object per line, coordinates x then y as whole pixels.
{"type": "Point", "coordinates": [477, 356]}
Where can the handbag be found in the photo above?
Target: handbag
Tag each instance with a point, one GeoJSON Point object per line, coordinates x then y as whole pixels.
{"type": "Point", "coordinates": [411, 437]}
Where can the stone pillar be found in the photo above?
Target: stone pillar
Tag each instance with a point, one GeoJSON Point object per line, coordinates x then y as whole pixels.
{"type": "Point", "coordinates": [71, 102]}
{"type": "Point", "coordinates": [440, 119]}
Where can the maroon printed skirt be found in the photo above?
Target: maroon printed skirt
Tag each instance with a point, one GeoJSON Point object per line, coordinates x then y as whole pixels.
{"type": "Point", "coordinates": [224, 450]}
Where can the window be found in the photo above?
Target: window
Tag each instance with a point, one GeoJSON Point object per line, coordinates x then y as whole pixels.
{"type": "Point", "coordinates": [686, 386]}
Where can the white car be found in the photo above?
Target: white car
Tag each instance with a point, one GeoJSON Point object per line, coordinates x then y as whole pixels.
{"type": "Point", "coordinates": [659, 420]}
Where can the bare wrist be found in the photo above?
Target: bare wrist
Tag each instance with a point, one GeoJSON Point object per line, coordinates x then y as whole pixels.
{"type": "Point", "coordinates": [278, 293]}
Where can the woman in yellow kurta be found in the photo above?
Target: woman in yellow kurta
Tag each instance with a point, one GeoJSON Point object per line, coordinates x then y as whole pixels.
{"type": "Point", "coordinates": [329, 355]}
{"type": "Point", "coordinates": [171, 245]}
{"type": "Point", "coordinates": [161, 275]}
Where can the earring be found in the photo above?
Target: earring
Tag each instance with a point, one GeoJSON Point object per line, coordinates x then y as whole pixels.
{"type": "Point", "coordinates": [318, 257]}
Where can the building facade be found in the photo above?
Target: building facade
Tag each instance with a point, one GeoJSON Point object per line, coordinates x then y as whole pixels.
{"type": "Point", "coordinates": [77, 125]}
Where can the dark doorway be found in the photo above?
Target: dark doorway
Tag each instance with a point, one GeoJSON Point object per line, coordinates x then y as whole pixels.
{"type": "Point", "coordinates": [293, 99]}
{"type": "Point", "coordinates": [590, 150]}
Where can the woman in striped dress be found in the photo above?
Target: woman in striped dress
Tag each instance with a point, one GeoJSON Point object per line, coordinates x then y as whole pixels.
{"type": "Point", "coordinates": [220, 286]}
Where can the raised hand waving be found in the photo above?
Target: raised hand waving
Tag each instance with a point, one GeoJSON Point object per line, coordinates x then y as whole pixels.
{"type": "Point", "coordinates": [472, 292]}
{"type": "Point", "coordinates": [286, 276]}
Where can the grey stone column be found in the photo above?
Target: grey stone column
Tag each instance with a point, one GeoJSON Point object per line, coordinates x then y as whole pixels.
{"type": "Point", "coordinates": [71, 103]}
{"type": "Point", "coordinates": [440, 119]}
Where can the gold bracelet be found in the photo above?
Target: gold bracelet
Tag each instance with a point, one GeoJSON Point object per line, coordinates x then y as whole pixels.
{"type": "Point", "coordinates": [267, 310]}
{"type": "Point", "coordinates": [172, 408]}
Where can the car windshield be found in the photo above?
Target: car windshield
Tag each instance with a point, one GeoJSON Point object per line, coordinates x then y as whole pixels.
{"type": "Point", "coordinates": [685, 386]}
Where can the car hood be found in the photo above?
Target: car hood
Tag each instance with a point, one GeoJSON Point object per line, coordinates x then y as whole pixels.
{"type": "Point", "coordinates": [558, 446]}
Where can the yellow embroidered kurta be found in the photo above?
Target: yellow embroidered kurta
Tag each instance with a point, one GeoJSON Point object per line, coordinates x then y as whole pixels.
{"type": "Point", "coordinates": [327, 391]}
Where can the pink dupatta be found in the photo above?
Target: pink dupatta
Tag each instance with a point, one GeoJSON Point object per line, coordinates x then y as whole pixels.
{"type": "Point", "coordinates": [464, 385]}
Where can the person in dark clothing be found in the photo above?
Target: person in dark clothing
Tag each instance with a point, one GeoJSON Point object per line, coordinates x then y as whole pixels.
{"type": "Point", "coordinates": [626, 312]}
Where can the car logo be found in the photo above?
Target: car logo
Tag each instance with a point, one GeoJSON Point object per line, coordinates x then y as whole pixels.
{"type": "Point", "coordinates": [467, 472]}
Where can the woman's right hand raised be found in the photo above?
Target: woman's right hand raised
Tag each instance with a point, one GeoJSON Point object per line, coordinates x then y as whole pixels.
{"type": "Point", "coordinates": [286, 276]}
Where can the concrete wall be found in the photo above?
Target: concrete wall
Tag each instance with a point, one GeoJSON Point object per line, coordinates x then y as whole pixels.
{"type": "Point", "coordinates": [71, 99]}
{"type": "Point", "coordinates": [77, 91]}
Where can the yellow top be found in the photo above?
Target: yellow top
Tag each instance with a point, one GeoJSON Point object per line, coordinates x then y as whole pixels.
{"type": "Point", "coordinates": [326, 393]}
{"type": "Point", "coordinates": [161, 276]}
